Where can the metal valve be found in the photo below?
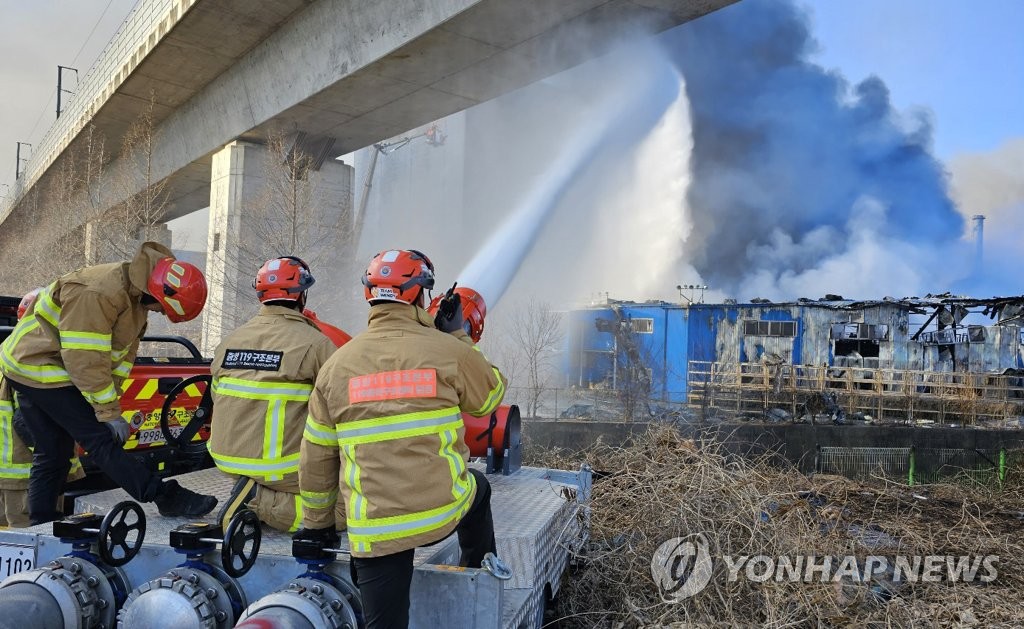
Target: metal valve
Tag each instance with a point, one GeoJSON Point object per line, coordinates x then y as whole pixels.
{"type": "Point", "coordinates": [314, 599]}
{"type": "Point", "coordinates": [199, 594]}
{"type": "Point", "coordinates": [81, 590]}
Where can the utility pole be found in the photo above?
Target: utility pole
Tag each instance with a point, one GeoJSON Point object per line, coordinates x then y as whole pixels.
{"type": "Point", "coordinates": [17, 164]}
{"type": "Point", "coordinates": [60, 84]}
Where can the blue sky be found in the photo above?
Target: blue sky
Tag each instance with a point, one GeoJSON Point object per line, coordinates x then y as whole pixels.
{"type": "Point", "coordinates": [962, 60]}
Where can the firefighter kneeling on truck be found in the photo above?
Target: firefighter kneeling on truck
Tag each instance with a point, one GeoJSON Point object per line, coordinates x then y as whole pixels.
{"type": "Point", "coordinates": [66, 359]}
{"type": "Point", "coordinates": [263, 373]}
{"type": "Point", "coordinates": [385, 419]}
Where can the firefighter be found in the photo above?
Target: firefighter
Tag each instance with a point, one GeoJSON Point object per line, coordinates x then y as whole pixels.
{"type": "Point", "coordinates": [385, 418]}
{"type": "Point", "coordinates": [66, 360]}
{"type": "Point", "coordinates": [16, 444]}
{"type": "Point", "coordinates": [263, 373]}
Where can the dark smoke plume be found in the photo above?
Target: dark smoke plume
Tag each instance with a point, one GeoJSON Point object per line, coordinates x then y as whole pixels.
{"type": "Point", "coordinates": [799, 179]}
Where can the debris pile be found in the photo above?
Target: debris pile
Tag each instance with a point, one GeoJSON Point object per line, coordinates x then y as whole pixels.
{"type": "Point", "coordinates": [664, 487]}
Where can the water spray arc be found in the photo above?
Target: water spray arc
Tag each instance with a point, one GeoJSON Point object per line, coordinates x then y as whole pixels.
{"type": "Point", "coordinates": [622, 118]}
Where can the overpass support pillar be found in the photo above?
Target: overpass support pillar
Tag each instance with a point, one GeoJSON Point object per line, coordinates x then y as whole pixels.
{"type": "Point", "coordinates": [250, 222]}
{"type": "Point", "coordinates": [235, 181]}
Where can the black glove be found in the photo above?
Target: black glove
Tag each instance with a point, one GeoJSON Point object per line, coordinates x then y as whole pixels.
{"type": "Point", "coordinates": [326, 537]}
{"type": "Point", "coordinates": [449, 314]}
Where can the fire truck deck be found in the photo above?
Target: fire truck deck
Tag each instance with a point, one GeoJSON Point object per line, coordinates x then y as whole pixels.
{"type": "Point", "coordinates": [540, 518]}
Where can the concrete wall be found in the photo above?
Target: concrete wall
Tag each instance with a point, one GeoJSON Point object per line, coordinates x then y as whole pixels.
{"type": "Point", "coordinates": [796, 444]}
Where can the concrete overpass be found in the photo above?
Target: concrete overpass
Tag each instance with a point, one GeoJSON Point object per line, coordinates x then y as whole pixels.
{"type": "Point", "coordinates": [345, 73]}
{"type": "Point", "coordinates": [334, 75]}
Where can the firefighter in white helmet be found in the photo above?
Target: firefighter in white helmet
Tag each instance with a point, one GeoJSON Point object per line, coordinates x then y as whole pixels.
{"type": "Point", "coordinates": [385, 419]}
{"type": "Point", "coordinates": [263, 373]}
{"type": "Point", "coordinates": [66, 360]}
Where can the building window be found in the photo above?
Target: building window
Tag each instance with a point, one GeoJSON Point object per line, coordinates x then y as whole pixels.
{"type": "Point", "coordinates": [642, 326]}
{"type": "Point", "coordinates": [859, 332]}
{"type": "Point", "coordinates": [769, 328]}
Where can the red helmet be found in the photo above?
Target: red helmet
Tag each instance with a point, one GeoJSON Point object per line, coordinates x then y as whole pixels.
{"type": "Point", "coordinates": [398, 275]}
{"type": "Point", "coordinates": [282, 279]}
{"type": "Point", "coordinates": [179, 287]}
{"type": "Point", "coordinates": [27, 301]}
{"type": "Point", "coordinates": [474, 311]}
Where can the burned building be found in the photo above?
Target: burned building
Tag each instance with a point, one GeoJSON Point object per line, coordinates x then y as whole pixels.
{"type": "Point", "coordinates": [664, 349]}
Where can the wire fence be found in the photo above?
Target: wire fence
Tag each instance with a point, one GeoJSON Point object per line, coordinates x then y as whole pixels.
{"type": "Point", "coordinates": [916, 466]}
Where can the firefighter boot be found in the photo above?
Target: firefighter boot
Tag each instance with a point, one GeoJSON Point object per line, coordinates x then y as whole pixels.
{"type": "Point", "coordinates": [176, 501]}
{"type": "Point", "coordinates": [243, 492]}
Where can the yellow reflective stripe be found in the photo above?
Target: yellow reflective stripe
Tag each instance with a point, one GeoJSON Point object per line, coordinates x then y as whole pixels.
{"type": "Point", "coordinates": [398, 426]}
{"type": "Point", "coordinates": [493, 398]}
{"type": "Point", "coordinates": [76, 339]}
{"type": "Point", "coordinates": [245, 466]}
{"type": "Point", "coordinates": [47, 308]}
{"type": "Point", "coordinates": [319, 499]}
{"type": "Point", "coordinates": [76, 465]}
{"type": "Point", "coordinates": [15, 471]}
{"type": "Point", "coordinates": [357, 501]}
{"type": "Point", "coordinates": [253, 390]}
{"type": "Point", "coordinates": [118, 354]}
{"type": "Point", "coordinates": [367, 531]}
{"type": "Point", "coordinates": [273, 432]}
{"type": "Point", "coordinates": [7, 435]}
{"type": "Point", "coordinates": [319, 434]}
{"type": "Point", "coordinates": [297, 522]}
{"type": "Point", "coordinates": [105, 396]}
{"type": "Point", "coordinates": [44, 374]}
{"type": "Point", "coordinates": [126, 383]}
{"type": "Point", "coordinates": [174, 304]}
{"type": "Point", "coordinates": [122, 370]}
{"type": "Point", "coordinates": [455, 462]}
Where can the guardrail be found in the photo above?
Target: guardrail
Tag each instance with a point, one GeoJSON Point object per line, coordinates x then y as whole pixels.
{"type": "Point", "coordinates": [145, 26]}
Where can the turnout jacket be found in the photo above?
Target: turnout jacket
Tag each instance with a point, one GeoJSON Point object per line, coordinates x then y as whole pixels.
{"type": "Point", "coordinates": [83, 331]}
{"type": "Point", "coordinates": [263, 373]}
{"type": "Point", "coordinates": [385, 425]}
{"type": "Point", "coordinates": [15, 457]}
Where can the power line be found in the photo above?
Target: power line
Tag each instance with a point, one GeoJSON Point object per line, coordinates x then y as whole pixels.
{"type": "Point", "coordinates": [92, 32]}
{"type": "Point", "coordinates": [53, 95]}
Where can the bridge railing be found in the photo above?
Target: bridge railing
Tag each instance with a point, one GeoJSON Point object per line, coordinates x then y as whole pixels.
{"type": "Point", "coordinates": [147, 24]}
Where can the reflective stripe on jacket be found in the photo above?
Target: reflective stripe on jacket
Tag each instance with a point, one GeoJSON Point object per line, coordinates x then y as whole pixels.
{"type": "Point", "coordinates": [385, 425]}
{"type": "Point", "coordinates": [83, 330]}
{"type": "Point", "coordinates": [15, 457]}
{"type": "Point", "coordinates": [263, 374]}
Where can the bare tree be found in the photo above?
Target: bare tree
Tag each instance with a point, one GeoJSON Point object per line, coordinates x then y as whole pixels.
{"type": "Point", "coordinates": [290, 214]}
{"type": "Point", "coordinates": [537, 332]}
{"type": "Point", "coordinates": [140, 216]}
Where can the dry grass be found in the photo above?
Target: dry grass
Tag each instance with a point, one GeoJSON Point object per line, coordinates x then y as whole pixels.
{"type": "Point", "coordinates": [664, 487]}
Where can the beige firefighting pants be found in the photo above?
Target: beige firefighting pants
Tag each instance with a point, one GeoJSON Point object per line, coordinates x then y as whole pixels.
{"type": "Point", "coordinates": [278, 505]}
{"type": "Point", "coordinates": [14, 508]}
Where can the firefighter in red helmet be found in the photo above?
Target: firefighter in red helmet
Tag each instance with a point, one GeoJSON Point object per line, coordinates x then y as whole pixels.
{"type": "Point", "coordinates": [387, 406]}
{"type": "Point", "coordinates": [263, 373]}
{"type": "Point", "coordinates": [68, 356]}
